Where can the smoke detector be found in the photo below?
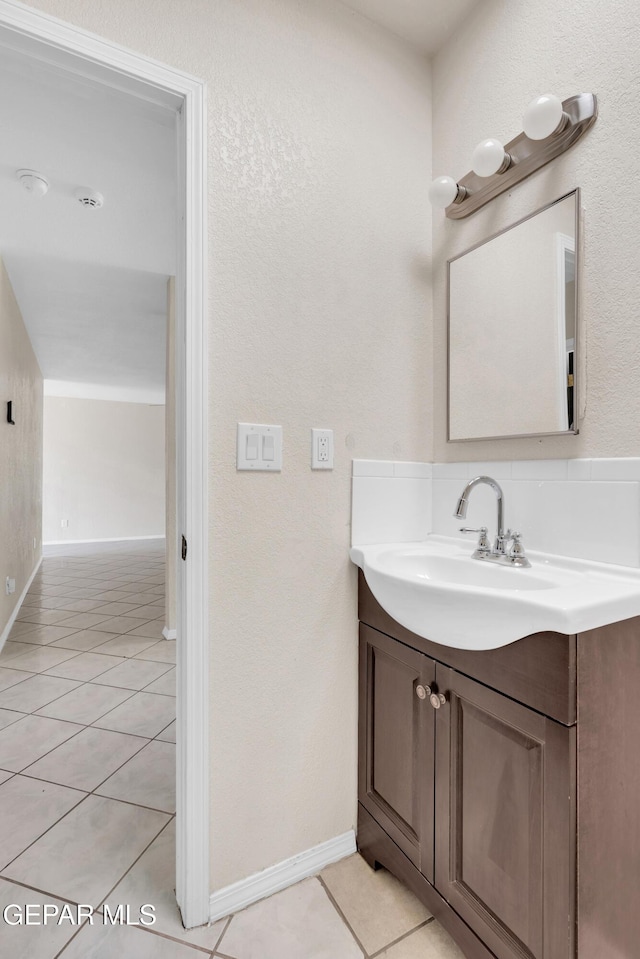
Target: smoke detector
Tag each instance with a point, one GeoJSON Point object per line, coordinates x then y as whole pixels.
{"type": "Point", "coordinates": [89, 197]}
{"type": "Point", "coordinates": [33, 182]}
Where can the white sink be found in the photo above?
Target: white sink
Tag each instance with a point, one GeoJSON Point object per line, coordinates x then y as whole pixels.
{"type": "Point", "coordinates": [436, 590]}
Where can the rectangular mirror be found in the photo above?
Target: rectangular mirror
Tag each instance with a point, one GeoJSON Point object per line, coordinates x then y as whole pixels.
{"type": "Point", "coordinates": [512, 315]}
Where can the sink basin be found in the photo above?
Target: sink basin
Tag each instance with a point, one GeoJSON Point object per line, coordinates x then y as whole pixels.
{"type": "Point", "coordinates": [436, 590]}
{"type": "Point", "coordinates": [458, 570]}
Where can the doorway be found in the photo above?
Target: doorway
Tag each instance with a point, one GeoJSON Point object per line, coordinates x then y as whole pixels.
{"type": "Point", "coordinates": [64, 47]}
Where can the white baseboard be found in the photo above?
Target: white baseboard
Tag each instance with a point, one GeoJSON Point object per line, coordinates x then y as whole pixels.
{"type": "Point", "coordinates": [241, 894]}
{"type": "Point", "coordinates": [109, 539]}
{"type": "Point", "coordinates": [169, 633]}
{"type": "Point", "coordinates": [12, 618]}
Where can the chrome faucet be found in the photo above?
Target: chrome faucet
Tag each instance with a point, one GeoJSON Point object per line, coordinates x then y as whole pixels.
{"type": "Point", "coordinates": [515, 556]}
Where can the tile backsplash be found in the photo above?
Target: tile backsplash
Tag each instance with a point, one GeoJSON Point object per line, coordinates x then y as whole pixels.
{"type": "Point", "coordinates": [586, 508]}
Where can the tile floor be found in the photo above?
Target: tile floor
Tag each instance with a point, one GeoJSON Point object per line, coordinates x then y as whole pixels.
{"type": "Point", "coordinates": [87, 804]}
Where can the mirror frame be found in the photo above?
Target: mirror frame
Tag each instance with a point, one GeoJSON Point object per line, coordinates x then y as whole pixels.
{"type": "Point", "coordinates": [576, 364]}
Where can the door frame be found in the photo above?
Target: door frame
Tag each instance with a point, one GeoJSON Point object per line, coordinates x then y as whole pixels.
{"type": "Point", "coordinates": [97, 59]}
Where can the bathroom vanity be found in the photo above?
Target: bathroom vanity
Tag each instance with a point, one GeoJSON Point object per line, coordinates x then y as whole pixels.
{"type": "Point", "coordinates": [502, 786]}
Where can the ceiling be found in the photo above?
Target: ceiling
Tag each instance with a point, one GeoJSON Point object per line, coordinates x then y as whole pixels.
{"type": "Point", "coordinates": [91, 283]}
{"type": "Point", "coordinates": [426, 24]}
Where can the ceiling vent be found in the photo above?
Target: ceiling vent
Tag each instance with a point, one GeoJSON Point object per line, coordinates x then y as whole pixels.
{"type": "Point", "coordinates": [89, 197]}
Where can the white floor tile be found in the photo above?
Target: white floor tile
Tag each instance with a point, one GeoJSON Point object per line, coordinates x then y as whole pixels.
{"type": "Point", "coordinates": [166, 685]}
{"type": "Point", "coordinates": [27, 809]}
{"type": "Point", "coordinates": [43, 635]}
{"type": "Point", "coordinates": [132, 674]}
{"type": "Point", "coordinates": [377, 906]}
{"type": "Point", "coordinates": [86, 703]}
{"type": "Point", "coordinates": [31, 941]}
{"type": "Point", "coordinates": [11, 650]}
{"type": "Point", "coordinates": [9, 716]}
{"type": "Point", "coordinates": [430, 942]}
{"type": "Point", "coordinates": [85, 854]}
{"type": "Point", "coordinates": [85, 639]}
{"type": "Point", "coordinates": [84, 667]}
{"type": "Point", "coordinates": [297, 923]}
{"type": "Point", "coordinates": [35, 692]}
{"type": "Point", "coordinates": [11, 677]}
{"type": "Point", "coordinates": [126, 942]}
{"type": "Point", "coordinates": [38, 658]}
{"type": "Point", "coordinates": [30, 738]}
{"type": "Point", "coordinates": [168, 735]}
{"type": "Point", "coordinates": [87, 759]}
{"type": "Point", "coordinates": [144, 714]}
{"type": "Point", "coordinates": [152, 880]}
{"type": "Point", "coordinates": [149, 779]}
{"type": "Point", "coordinates": [127, 646]}
{"type": "Point", "coordinates": [162, 652]}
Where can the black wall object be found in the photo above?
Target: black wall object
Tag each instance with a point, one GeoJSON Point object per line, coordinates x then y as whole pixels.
{"type": "Point", "coordinates": [10, 418]}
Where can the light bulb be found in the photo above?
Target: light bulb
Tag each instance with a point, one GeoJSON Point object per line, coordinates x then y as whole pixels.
{"type": "Point", "coordinates": [490, 157]}
{"type": "Point", "coordinates": [444, 190]}
{"type": "Point", "coordinates": [544, 116]}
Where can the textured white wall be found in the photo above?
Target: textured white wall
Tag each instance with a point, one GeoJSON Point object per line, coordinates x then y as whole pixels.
{"type": "Point", "coordinates": [103, 470]}
{"type": "Point", "coordinates": [504, 55]}
{"type": "Point", "coordinates": [319, 147]}
{"type": "Point", "coordinates": [20, 451]}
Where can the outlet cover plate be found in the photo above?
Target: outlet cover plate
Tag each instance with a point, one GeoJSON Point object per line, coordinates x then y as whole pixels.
{"type": "Point", "coordinates": [321, 449]}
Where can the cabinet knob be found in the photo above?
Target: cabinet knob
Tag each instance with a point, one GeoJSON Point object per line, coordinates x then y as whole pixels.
{"type": "Point", "coordinates": [437, 700]}
{"type": "Point", "coordinates": [423, 691]}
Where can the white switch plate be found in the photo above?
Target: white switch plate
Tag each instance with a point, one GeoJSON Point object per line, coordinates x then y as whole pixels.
{"type": "Point", "coordinates": [259, 447]}
{"type": "Point", "coordinates": [10, 585]}
{"type": "Point", "coordinates": [321, 449]}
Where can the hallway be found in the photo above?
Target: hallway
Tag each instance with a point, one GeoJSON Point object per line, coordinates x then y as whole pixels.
{"type": "Point", "coordinates": [87, 741]}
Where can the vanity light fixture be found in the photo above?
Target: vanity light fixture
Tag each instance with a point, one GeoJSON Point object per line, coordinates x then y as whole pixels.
{"type": "Point", "coordinates": [444, 190]}
{"type": "Point", "coordinates": [490, 157]}
{"type": "Point", "coordinates": [551, 126]}
{"type": "Point", "coordinates": [544, 117]}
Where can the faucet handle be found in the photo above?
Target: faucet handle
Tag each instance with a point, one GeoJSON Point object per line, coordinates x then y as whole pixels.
{"type": "Point", "coordinates": [484, 546]}
{"type": "Point", "coordinates": [516, 552]}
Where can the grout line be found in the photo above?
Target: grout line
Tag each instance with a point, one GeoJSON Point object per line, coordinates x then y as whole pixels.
{"type": "Point", "coordinates": [127, 802]}
{"type": "Point", "coordinates": [342, 915]}
{"type": "Point", "coordinates": [181, 942]}
{"type": "Point", "coordinates": [135, 861]}
{"type": "Point", "coordinates": [222, 934]}
{"type": "Point", "coordinates": [74, 936]}
{"type": "Point", "coordinates": [401, 938]}
{"type": "Point", "coordinates": [43, 892]}
{"type": "Point", "coordinates": [48, 829]}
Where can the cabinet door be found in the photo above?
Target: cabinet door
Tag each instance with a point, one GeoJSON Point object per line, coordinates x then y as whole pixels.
{"type": "Point", "coordinates": [396, 740]}
{"type": "Point", "coordinates": [505, 801]}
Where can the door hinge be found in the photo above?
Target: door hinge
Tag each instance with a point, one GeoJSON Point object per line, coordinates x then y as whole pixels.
{"type": "Point", "coordinates": [184, 547]}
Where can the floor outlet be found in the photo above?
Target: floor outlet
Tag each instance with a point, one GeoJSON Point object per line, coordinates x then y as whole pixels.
{"type": "Point", "coordinates": [321, 449]}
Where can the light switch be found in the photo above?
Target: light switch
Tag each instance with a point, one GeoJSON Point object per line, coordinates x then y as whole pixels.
{"type": "Point", "coordinates": [252, 446]}
{"type": "Point", "coordinates": [259, 447]}
{"type": "Point", "coordinates": [268, 447]}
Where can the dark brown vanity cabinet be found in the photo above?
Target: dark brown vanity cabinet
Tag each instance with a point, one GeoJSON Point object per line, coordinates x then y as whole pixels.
{"type": "Point", "coordinates": [397, 744]}
{"type": "Point", "coordinates": [516, 824]}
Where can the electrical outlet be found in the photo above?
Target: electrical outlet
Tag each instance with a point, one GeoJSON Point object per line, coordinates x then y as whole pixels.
{"type": "Point", "coordinates": [10, 586]}
{"type": "Point", "coordinates": [321, 449]}
{"type": "Point", "coordinates": [64, 523]}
